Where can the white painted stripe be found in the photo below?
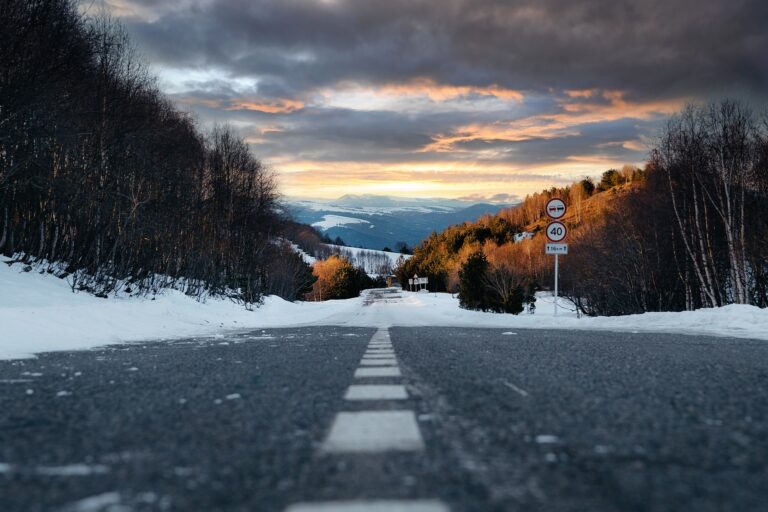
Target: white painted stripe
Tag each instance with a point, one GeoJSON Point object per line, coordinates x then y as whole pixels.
{"type": "Point", "coordinates": [380, 345]}
{"type": "Point", "coordinates": [373, 431]}
{"type": "Point", "coordinates": [371, 506]}
{"type": "Point", "coordinates": [384, 371]}
{"type": "Point", "coordinates": [378, 356]}
{"type": "Point", "coordinates": [378, 362]}
{"type": "Point", "coordinates": [376, 392]}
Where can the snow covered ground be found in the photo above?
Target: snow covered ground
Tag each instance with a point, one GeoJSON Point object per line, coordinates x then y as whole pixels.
{"type": "Point", "coordinates": [40, 313]}
{"type": "Point", "coordinates": [332, 221]}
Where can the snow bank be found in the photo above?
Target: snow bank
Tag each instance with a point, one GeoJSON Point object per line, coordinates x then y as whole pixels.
{"type": "Point", "coordinates": [441, 309]}
{"type": "Point", "coordinates": [40, 313]}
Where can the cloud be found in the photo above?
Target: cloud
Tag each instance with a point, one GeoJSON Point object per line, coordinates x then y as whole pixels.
{"type": "Point", "coordinates": [553, 88]}
{"type": "Point", "coordinates": [655, 49]}
{"type": "Point", "coordinates": [495, 198]}
{"type": "Point", "coordinates": [443, 92]}
{"type": "Point", "coordinates": [273, 106]}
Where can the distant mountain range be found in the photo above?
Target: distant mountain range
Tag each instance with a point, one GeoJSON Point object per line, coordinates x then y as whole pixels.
{"type": "Point", "coordinates": [375, 222]}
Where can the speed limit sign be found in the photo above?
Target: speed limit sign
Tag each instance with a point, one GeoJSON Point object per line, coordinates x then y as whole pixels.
{"type": "Point", "coordinates": [556, 231]}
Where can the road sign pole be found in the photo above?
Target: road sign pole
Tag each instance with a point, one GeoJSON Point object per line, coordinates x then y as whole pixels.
{"type": "Point", "coordinates": [556, 269]}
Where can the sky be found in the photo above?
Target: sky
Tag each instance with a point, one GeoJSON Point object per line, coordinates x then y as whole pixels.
{"type": "Point", "coordinates": [475, 99]}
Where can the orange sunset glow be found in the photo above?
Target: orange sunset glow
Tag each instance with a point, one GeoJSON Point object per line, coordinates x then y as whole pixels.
{"type": "Point", "coordinates": [429, 98]}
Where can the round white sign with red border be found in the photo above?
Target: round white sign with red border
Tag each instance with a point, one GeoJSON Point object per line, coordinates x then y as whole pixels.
{"type": "Point", "coordinates": [556, 232]}
{"type": "Point", "coordinates": [555, 208]}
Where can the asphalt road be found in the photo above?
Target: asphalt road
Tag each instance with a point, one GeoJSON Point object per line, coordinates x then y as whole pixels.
{"type": "Point", "coordinates": [521, 421]}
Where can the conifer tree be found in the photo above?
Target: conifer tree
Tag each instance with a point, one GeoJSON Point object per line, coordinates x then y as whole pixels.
{"type": "Point", "coordinates": [472, 293]}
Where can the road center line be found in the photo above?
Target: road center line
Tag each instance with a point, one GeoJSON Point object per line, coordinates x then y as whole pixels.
{"type": "Point", "coordinates": [374, 431]}
{"type": "Point", "coordinates": [376, 392]}
{"type": "Point", "coordinates": [383, 371]}
{"type": "Point", "coordinates": [378, 362]}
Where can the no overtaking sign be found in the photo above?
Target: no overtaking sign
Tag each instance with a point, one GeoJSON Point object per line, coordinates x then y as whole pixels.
{"type": "Point", "coordinates": [555, 209]}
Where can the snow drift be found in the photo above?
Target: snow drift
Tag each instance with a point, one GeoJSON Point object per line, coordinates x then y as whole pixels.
{"type": "Point", "coordinates": [39, 313]}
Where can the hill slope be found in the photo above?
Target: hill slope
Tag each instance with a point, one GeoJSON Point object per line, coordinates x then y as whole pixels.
{"type": "Point", "coordinates": [376, 222]}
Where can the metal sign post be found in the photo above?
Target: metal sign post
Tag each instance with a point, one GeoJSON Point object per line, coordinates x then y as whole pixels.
{"type": "Point", "coordinates": [556, 272]}
{"type": "Point", "coordinates": [556, 233]}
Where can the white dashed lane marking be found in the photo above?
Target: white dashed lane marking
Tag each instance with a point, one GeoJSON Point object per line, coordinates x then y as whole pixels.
{"type": "Point", "coordinates": [376, 392]}
{"type": "Point", "coordinates": [374, 431]}
{"type": "Point", "coordinates": [371, 506]}
{"type": "Point", "coordinates": [391, 371]}
{"type": "Point", "coordinates": [378, 362]}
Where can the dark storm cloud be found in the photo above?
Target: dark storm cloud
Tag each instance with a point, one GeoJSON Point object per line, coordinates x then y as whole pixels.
{"type": "Point", "coordinates": [653, 48]}
{"type": "Point", "coordinates": [523, 93]}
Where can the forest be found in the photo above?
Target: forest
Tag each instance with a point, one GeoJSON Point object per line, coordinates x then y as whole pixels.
{"type": "Point", "coordinates": [105, 183]}
{"type": "Point", "coordinates": [688, 231]}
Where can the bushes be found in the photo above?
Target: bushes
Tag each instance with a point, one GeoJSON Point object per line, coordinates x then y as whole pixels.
{"type": "Point", "coordinates": [287, 275]}
{"type": "Point", "coordinates": [472, 293]}
{"type": "Point", "coordinates": [337, 278]}
{"type": "Point", "coordinates": [488, 288]}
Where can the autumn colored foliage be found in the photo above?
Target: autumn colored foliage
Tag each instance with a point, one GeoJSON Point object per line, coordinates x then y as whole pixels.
{"type": "Point", "coordinates": [337, 278]}
{"type": "Point", "coordinates": [689, 230]}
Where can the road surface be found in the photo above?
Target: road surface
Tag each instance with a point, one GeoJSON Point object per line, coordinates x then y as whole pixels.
{"type": "Point", "coordinates": [386, 419]}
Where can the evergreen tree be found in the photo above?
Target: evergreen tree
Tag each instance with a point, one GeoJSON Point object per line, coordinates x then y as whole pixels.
{"type": "Point", "coordinates": [472, 288]}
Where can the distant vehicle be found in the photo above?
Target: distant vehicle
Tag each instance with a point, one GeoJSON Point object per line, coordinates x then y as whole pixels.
{"type": "Point", "coordinates": [392, 281]}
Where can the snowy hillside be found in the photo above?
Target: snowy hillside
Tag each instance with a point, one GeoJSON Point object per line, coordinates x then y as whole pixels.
{"type": "Point", "coordinates": [376, 222]}
{"type": "Point", "coordinates": [375, 263]}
